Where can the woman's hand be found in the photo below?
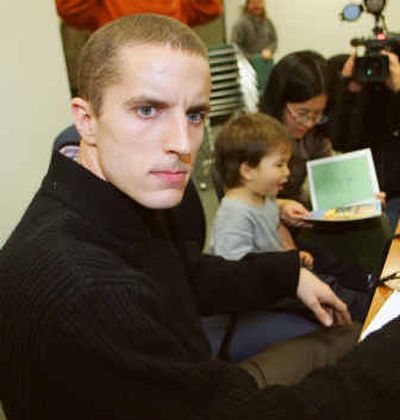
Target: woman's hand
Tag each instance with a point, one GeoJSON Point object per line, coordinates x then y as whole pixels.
{"type": "Point", "coordinates": [381, 196]}
{"type": "Point", "coordinates": [292, 213]}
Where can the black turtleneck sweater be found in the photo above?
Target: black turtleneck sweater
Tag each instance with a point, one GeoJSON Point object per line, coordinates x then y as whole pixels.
{"type": "Point", "coordinates": [99, 319]}
{"type": "Point", "coordinates": [100, 307]}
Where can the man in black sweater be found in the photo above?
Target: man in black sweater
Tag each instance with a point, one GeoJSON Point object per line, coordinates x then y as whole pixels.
{"type": "Point", "coordinates": [100, 299]}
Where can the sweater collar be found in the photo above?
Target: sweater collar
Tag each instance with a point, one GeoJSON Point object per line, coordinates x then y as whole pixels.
{"type": "Point", "coordinates": [95, 199]}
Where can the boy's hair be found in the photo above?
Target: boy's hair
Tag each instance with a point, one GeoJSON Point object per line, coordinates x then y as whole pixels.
{"type": "Point", "coordinates": [247, 139]}
{"type": "Point", "coordinates": [99, 62]}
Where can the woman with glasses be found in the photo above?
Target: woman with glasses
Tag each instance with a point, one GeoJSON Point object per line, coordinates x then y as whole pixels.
{"type": "Point", "coordinates": [296, 94]}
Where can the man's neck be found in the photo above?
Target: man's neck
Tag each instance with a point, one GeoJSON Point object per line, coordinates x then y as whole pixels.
{"type": "Point", "coordinates": [87, 157]}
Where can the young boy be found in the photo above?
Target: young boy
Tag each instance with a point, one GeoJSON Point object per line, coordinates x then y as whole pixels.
{"type": "Point", "coordinates": [252, 155]}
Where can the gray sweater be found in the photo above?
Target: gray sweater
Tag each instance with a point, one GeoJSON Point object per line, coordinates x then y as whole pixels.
{"type": "Point", "coordinates": [253, 34]}
{"type": "Point", "coordinates": [240, 228]}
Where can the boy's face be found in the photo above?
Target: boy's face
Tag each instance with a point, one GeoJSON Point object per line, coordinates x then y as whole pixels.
{"type": "Point", "coordinates": [146, 138]}
{"type": "Point", "coordinates": [271, 174]}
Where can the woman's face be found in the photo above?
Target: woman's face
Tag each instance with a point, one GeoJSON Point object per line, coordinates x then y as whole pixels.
{"type": "Point", "coordinates": [300, 117]}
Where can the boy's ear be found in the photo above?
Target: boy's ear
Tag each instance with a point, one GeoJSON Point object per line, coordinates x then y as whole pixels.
{"type": "Point", "coordinates": [246, 171]}
{"type": "Point", "coordinates": [85, 120]}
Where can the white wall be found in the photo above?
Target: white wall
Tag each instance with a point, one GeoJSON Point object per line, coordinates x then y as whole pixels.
{"type": "Point", "coordinates": [33, 101]}
{"type": "Point", "coordinates": [315, 24]}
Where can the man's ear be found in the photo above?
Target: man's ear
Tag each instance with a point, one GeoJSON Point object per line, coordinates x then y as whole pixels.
{"type": "Point", "coordinates": [246, 171]}
{"type": "Point", "coordinates": [84, 119]}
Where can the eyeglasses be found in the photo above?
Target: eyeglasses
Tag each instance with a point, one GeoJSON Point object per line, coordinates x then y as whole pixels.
{"type": "Point", "coordinates": [304, 116]}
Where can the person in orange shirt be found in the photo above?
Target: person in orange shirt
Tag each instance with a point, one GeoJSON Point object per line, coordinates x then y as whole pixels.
{"type": "Point", "coordinates": [81, 17]}
{"type": "Point", "coordinates": [91, 14]}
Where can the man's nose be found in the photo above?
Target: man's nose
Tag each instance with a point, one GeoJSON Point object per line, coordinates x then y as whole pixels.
{"type": "Point", "coordinates": [177, 136]}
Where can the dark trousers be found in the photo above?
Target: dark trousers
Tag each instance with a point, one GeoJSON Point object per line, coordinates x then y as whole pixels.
{"type": "Point", "coordinates": [290, 361]}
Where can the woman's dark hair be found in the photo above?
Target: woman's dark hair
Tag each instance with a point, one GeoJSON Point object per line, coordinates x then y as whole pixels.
{"type": "Point", "coordinates": [297, 77]}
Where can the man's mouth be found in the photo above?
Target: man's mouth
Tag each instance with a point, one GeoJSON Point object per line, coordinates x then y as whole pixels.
{"type": "Point", "coordinates": [171, 177]}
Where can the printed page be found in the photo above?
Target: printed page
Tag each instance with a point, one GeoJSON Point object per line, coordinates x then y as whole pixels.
{"type": "Point", "coordinates": [347, 213]}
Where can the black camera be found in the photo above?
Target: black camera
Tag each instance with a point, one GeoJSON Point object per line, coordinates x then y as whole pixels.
{"type": "Point", "coordinates": [372, 66]}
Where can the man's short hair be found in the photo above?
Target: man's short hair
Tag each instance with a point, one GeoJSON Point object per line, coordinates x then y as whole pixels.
{"type": "Point", "coordinates": [247, 139]}
{"type": "Point", "coordinates": [99, 60]}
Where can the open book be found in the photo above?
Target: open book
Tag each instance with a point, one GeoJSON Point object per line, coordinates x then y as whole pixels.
{"type": "Point", "coordinates": [343, 187]}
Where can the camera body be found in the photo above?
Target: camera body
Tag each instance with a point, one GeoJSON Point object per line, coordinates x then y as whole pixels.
{"type": "Point", "coordinates": [372, 66]}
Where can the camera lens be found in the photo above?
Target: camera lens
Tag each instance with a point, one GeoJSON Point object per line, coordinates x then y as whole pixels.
{"type": "Point", "coordinates": [373, 69]}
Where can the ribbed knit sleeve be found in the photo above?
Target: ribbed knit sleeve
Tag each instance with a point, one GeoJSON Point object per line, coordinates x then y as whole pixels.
{"type": "Point", "coordinates": [255, 282]}
{"type": "Point", "coordinates": [133, 364]}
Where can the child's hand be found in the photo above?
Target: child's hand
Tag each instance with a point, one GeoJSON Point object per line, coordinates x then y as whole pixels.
{"type": "Point", "coordinates": [292, 212]}
{"type": "Point", "coordinates": [306, 259]}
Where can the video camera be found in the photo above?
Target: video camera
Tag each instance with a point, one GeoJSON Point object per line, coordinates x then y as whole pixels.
{"type": "Point", "coordinates": [372, 66]}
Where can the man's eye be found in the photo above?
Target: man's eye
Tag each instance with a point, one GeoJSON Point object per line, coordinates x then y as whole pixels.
{"type": "Point", "coordinates": [146, 111]}
{"type": "Point", "coordinates": [196, 117]}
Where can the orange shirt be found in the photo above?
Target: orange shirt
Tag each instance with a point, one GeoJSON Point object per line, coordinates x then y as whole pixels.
{"type": "Point", "coordinates": [91, 14]}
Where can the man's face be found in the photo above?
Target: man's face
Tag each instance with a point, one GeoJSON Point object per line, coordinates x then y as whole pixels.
{"type": "Point", "coordinates": [255, 7]}
{"type": "Point", "coordinates": [150, 127]}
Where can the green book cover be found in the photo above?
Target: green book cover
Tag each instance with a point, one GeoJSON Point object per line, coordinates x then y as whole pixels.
{"type": "Point", "coordinates": [344, 187]}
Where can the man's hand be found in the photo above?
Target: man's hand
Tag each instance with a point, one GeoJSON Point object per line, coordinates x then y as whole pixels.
{"type": "Point", "coordinates": [321, 299]}
{"type": "Point", "coordinates": [292, 213]}
{"type": "Point", "coordinates": [347, 72]}
{"type": "Point", "coordinates": [393, 82]}
{"type": "Point", "coordinates": [266, 54]}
